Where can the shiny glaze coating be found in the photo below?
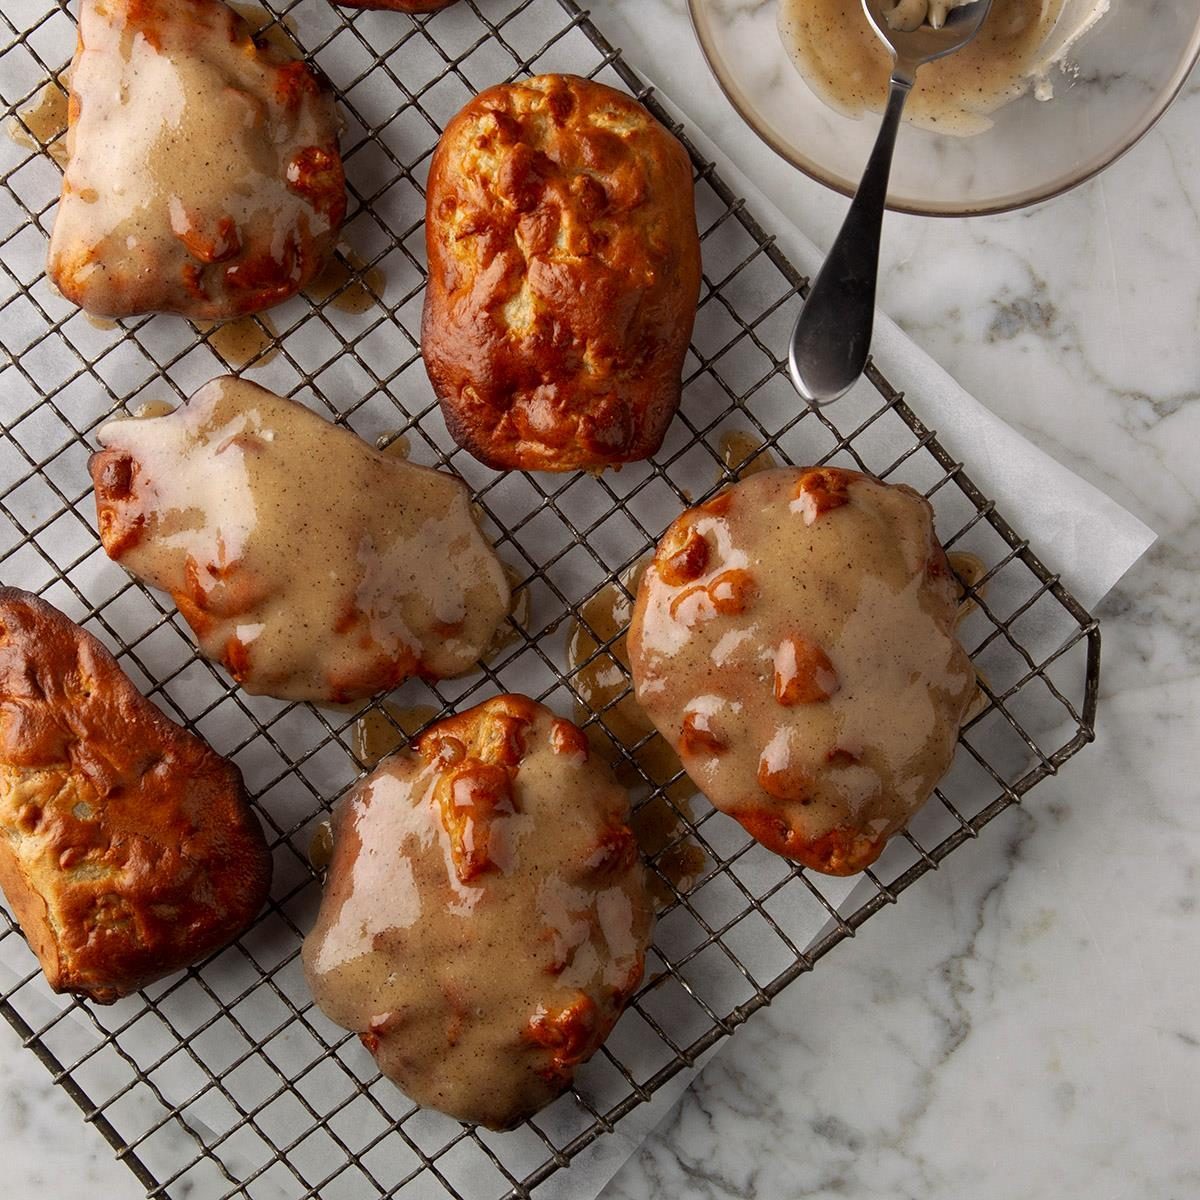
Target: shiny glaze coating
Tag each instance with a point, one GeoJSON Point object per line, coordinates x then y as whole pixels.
{"type": "Point", "coordinates": [564, 271]}
{"type": "Point", "coordinates": [309, 564]}
{"type": "Point", "coordinates": [794, 640]}
{"type": "Point", "coordinates": [486, 913]}
{"type": "Point", "coordinates": [203, 177]}
{"type": "Point", "coordinates": [127, 848]}
{"type": "Point", "coordinates": [845, 63]}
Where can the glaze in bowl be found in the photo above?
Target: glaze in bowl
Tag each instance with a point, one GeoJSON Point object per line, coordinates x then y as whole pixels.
{"type": "Point", "coordinates": [1121, 76]}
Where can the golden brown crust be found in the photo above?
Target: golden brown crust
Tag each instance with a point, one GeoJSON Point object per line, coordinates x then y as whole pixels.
{"type": "Point", "coordinates": [842, 851]}
{"type": "Point", "coordinates": [202, 260]}
{"type": "Point", "coordinates": [564, 272]}
{"type": "Point", "coordinates": [127, 848]}
{"type": "Point", "coordinates": [478, 753]}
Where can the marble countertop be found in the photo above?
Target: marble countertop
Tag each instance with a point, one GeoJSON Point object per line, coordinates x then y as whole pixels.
{"type": "Point", "coordinates": [1023, 1023]}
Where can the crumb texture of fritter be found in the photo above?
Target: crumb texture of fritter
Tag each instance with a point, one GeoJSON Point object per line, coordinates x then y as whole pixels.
{"type": "Point", "coordinates": [486, 913]}
{"type": "Point", "coordinates": [307, 563]}
{"type": "Point", "coordinates": [564, 274]}
{"type": "Point", "coordinates": [128, 850]}
{"type": "Point", "coordinates": [203, 173]}
{"type": "Point", "coordinates": [794, 640]}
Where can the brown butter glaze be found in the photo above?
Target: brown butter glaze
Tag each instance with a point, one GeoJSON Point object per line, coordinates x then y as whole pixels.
{"type": "Point", "coordinates": [842, 59]}
{"type": "Point", "coordinates": [485, 915]}
{"type": "Point", "coordinates": [311, 565]}
{"type": "Point", "coordinates": [153, 408]}
{"type": "Point", "coordinates": [394, 445]}
{"type": "Point", "coordinates": [41, 125]}
{"type": "Point", "coordinates": [564, 271]}
{"type": "Point", "coordinates": [348, 284]}
{"type": "Point", "coordinates": [203, 175]}
{"type": "Point", "coordinates": [244, 341]}
{"type": "Point", "coordinates": [744, 454]}
{"type": "Point", "coordinates": [320, 846]}
{"type": "Point", "coordinates": [383, 730]}
{"type": "Point", "coordinates": [970, 570]}
{"type": "Point", "coordinates": [794, 640]}
{"type": "Point", "coordinates": [626, 738]}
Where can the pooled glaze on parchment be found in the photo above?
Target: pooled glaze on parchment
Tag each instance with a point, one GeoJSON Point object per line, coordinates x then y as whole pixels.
{"type": "Point", "coordinates": [794, 640]}
{"type": "Point", "coordinates": [598, 660]}
{"type": "Point", "coordinates": [308, 563]}
{"type": "Point", "coordinates": [485, 915]}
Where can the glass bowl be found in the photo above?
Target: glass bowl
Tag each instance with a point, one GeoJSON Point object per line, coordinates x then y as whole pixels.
{"type": "Point", "coordinates": [1124, 73]}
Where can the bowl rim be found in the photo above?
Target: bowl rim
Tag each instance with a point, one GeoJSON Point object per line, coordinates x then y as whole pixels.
{"type": "Point", "coordinates": [1005, 204]}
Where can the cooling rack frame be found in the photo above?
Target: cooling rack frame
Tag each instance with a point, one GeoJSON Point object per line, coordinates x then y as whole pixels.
{"type": "Point", "coordinates": [1065, 673]}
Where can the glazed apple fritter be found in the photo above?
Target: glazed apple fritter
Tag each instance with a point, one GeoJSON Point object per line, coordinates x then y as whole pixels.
{"type": "Point", "coordinates": [203, 172]}
{"type": "Point", "coordinates": [485, 916]}
{"type": "Point", "coordinates": [309, 564]}
{"type": "Point", "coordinates": [794, 640]}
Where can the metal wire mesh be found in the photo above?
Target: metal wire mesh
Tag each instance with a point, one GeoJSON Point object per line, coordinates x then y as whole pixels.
{"type": "Point", "coordinates": [226, 1080]}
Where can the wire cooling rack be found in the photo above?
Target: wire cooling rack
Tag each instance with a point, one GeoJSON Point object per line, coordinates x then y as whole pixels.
{"type": "Point", "coordinates": [226, 1081]}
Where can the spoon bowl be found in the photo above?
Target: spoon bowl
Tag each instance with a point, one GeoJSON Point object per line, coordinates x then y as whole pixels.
{"type": "Point", "coordinates": [924, 43]}
{"type": "Point", "coordinates": [832, 337]}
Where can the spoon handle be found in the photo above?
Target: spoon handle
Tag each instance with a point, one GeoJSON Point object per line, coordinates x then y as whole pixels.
{"type": "Point", "coordinates": [833, 335]}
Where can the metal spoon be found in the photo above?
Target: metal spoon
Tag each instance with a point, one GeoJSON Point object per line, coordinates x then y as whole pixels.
{"type": "Point", "coordinates": [833, 333]}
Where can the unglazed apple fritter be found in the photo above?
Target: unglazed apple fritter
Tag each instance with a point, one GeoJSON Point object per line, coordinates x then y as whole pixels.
{"type": "Point", "coordinates": [564, 271]}
{"type": "Point", "coordinates": [128, 850]}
